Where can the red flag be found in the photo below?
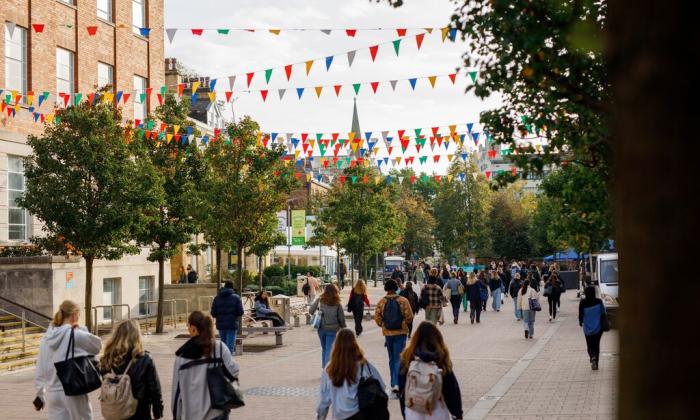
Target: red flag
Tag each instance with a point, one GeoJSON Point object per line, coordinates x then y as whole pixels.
{"type": "Point", "coordinates": [413, 179]}
{"type": "Point", "coordinates": [401, 31]}
{"type": "Point", "coordinates": [288, 71]}
{"type": "Point", "coordinates": [160, 98]}
{"type": "Point", "coordinates": [351, 32]}
{"type": "Point", "coordinates": [365, 179]}
{"type": "Point", "coordinates": [488, 174]}
{"type": "Point", "coordinates": [374, 86]}
{"type": "Point", "coordinates": [452, 77]}
{"type": "Point", "coordinates": [373, 51]}
{"type": "Point", "coordinates": [436, 158]}
{"type": "Point", "coordinates": [389, 149]}
{"type": "Point", "coordinates": [263, 93]}
{"type": "Point", "coordinates": [197, 32]}
{"type": "Point", "coordinates": [342, 179]}
{"type": "Point", "coordinates": [337, 89]}
{"type": "Point", "coordinates": [38, 27]}
{"type": "Point", "coordinates": [125, 97]}
{"type": "Point", "coordinates": [401, 134]}
{"type": "Point", "coordinates": [137, 122]}
{"type": "Point", "coordinates": [419, 39]}
{"type": "Point", "coordinates": [249, 76]}
{"type": "Point", "coordinates": [304, 136]}
{"type": "Point", "coordinates": [180, 89]}
{"type": "Point", "coordinates": [512, 171]}
{"type": "Point", "coordinates": [91, 30]}
{"type": "Point", "coordinates": [335, 137]}
{"type": "Point", "coordinates": [435, 130]}
{"type": "Point", "coordinates": [228, 94]}
{"type": "Point", "coordinates": [148, 93]}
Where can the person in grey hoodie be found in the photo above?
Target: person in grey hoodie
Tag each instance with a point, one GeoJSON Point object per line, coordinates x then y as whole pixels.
{"type": "Point", "coordinates": [332, 319]}
{"type": "Point", "coordinates": [53, 349]}
{"type": "Point", "coordinates": [190, 392]}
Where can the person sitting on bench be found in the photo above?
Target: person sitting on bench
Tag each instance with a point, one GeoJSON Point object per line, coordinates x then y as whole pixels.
{"type": "Point", "coordinates": [263, 311]}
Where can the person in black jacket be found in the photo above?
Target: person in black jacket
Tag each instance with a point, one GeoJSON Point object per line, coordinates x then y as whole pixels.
{"type": "Point", "coordinates": [124, 349]}
{"type": "Point", "coordinates": [227, 308]}
{"type": "Point", "coordinates": [553, 289]}
{"type": "Point", "coordinates": [412, 297]}
{"type": "Point", "coordinates": [428, 345]}
{"type": "Point", "coordinates": [513, 292]}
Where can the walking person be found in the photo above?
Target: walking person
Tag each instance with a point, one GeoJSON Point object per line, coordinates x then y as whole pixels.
{"type": "Point", "coordinates": [513, 290]}
{"type": "Point", "coordinates": [397, 275]}
{"type": "Point", "coordinates": [425, 360]}
{"type": "Point", "coordinates": [412, 298]}
{"type": "Point", "coordinates": [124, 354]}
{"type": "Point", "coordinates": [496, 287]}
{"type": "Point", "coordinates": [526, 294]}
{"type": "Point", "coordinates": [553, 290]}
{"type": "Point", "coordinates": [456, 292]}
{"type": "Point", "coordinates": [419, 276]}
{"type": "Point", "coordinates": [342, 271]}
{"type": "Point", "coordinates": [190, 392]}
{"type": "Point", "coordinates": [310, 288]}
{"type": "Point", "coordinates": [432, 299]}
{"type": "Point", "coordinates": [227, 309]}
{"type": "Point", "coordinates": [53, 348]}
{"type": "Point", "coordinates": [484, 291]}
{"type": "Point", "coordinates": [332, 319]}
{"type": "Point", "coordinates": [594, 320]}
{"type": "Point", "coordinates": [263, 311]}
{"type": "Point", "coordinates": [474, 293]}
{"type": "Point", "coordinates": [356, 304]}
{"type": "Point", "coordinates": [393, 314]}
{"type": "Point", "coordinates": [463, 280]}
{"type": "Point", "coordinates": [341, 377]}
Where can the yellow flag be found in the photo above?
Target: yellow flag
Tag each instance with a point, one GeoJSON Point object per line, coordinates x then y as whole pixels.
{"type": "Point", "coordinates": [354, 146]}
{"type": "Point", "coordinates": [275, 31]}
{"type": "Point", "coordinates": [375, 150]}
{"type": "Point", "coordinates": [318, 91]}
{"type": "Point", "coordinates": [49, 118]}
{"type": "Point", "coordinates": [432, 80]}
{"type": "Point", "coordinates": [537, 146]}
{"type": "Point", "coordinates": [195, 86]}
{"type": "Point", "coordinates": [308, 176]}
{"type": "Point", "coordinates": [398, 160]}
{"type": "Point", "coordinates": [168, 137]}
{"type": "Point", "coordinates": [377, 179]}
{"type": "Point", "coordinates": [30, 99]}
{"type": "Point", "coordinates": [351, 136]}
{"type": "Point", "coordinates": [429, 30]}
{"type": "Point", "coordinates": [452, 129]}
{"type": "Point", "coordinates": [366, 163]}
{"type": "Point", "coordinates": [296, 154]}
{"type": "Point", "coordinates": [311, 143]}
{"type": "Point", "coordinates": [308, 66]}
{"type": "Point", "coordinates": [445, 31]}
{"type": "Point", "coordinates": [449, 158]}
{"type": "Point", "coordinates": [108, 97]}
{"type": "Point", "coordinates": [212, 96]}
{"type": "Point", "coordinates": [176, 129]}
{"type": "Point", "coordinates": [449, 177]}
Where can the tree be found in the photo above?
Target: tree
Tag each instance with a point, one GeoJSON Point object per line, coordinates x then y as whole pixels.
{"type": "Point", "coordinates": [267, 239]}
{"type": "Point", "coordinates": [508, 224]}
{"type": "Point", "coordinates": [179, 164]}
{"type": "Point", "coordinates": [541, 233]}
{"type": "Point", "coordinates": [245, 185]}
{"type": "Point", "coordinates": [417, 237]}
{"type": "Point", "coordinates": [88, 189]}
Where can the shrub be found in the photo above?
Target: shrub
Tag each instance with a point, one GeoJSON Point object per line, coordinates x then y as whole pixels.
{"type": "Point", "coordinates": [275, 270]}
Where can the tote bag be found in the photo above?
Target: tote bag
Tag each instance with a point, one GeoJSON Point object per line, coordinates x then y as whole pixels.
{"type": "Point", "coordinates": [77, 374]}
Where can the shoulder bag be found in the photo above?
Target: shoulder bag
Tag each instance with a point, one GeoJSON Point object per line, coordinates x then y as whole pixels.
{"type": "Point", "coordinates": [77, 374]}
{"type": "Point", "coordinates": [371, 397]}
{"type": "Point", "coordinates": [604, 321]}
{"type": "Point", "coordinates": [534, 305]}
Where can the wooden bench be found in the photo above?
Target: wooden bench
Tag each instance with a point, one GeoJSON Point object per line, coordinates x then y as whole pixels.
{"type": "Point", "coordinates": [265, 330]}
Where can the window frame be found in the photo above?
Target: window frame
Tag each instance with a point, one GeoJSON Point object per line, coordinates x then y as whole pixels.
{"type": "Point", "coordinates": [109, 67]}
{"type": "Point", "coordinates": [11, 205]}
{"type": "Point", "coordinates": [71, 72]}
{"type": "Point", "coordinates": [23, 61]}
{"type": "Point", "coordinates": [134, 27]}
{"type": "Point", "coordinates": [137, 97]}
{"type": "Point", "coordinates": [109, 12]}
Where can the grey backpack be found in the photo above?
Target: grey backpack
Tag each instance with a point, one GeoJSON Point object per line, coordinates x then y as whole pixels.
{"type": "Point", "coordinates": [116, 399]}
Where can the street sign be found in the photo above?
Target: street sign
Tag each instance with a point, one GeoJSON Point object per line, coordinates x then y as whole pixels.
{"type": "Point", "coordinates": [298, 227]}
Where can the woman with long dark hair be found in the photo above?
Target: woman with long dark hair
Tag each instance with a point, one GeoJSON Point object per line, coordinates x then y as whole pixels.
{"type": "Point", "coordinates": [524, 296]}
{"type": "Point", "coordinates": [263, 311]}
{"type": "Point", "coordinates": [553, 289]}
{"type": "Point", "coordinates": [412, 298]}
{"type": "Point", "coordinates": [190, 392]}
{"type": "Point", "coordinates": [332, 319]}
{"type": "Point", "coordinates": [428, 347]}
{"type": "Point", "coordinates": [339, 380]}
{"type": "Point", "coordinates": [594, 320]}
{"type": "Point", "coordinates": [356, 304]}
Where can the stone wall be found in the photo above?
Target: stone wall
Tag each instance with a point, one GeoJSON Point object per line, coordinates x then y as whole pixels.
{"type": "Point", "coordinates": [28, 281]}
{"type": "Point", "coordinates": [191, 293]}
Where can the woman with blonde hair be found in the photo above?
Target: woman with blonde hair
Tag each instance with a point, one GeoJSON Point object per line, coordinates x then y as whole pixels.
{"type": "Point", "coordinates": [124, 354]}
{"type": "Point", "coordinates": [53, 348]}
{"type": "Point", "coordinates": [332, 319]}
{"type": "Point", "coordinates": [428, 347]}
{"type": "Point", "coordinates": [340, 378]}
{"type": "Point", "coordinates": [356, 304]}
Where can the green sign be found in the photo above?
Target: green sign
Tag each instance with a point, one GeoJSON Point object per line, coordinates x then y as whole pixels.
{"type": "Point", "coordinates": [298, 227]}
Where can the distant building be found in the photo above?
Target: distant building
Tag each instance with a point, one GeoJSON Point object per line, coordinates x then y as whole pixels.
{"type": "Point", "coordinates": [496, 158]}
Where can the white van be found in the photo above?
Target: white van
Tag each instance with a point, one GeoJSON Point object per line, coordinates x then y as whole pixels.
{"type": "Point", "coordinates": [390, 263]}
{"type": "Point", "coordinates": [605, 279]}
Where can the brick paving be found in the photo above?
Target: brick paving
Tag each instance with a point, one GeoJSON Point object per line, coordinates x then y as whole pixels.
{"type": "Point", "coordinates": [488, 358]}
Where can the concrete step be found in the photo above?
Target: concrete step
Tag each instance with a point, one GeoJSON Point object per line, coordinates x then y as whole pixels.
{"type": "Point", "coordinates": [17, 355]}
{"type": "Point", "coordinates": [4, 318]}
{"type": "Point", "coordinates": [17, 338]}
{"type": "Point", "coordinates": [17, 364]}
{"type": "Point", "coordinates": [17, 346]}
{"type": "Point", "coordinates": [14, 332]}
{"type": "Point", "coordinates": [11, 324]}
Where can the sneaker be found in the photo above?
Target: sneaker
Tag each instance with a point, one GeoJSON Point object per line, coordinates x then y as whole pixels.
{"type": "Point", "coordinates": [455, 320]}
{"type": "Point", "coordinates": [550, 319]}
{"type": "Point", "coordinates": [394, 394]}
{"type": "Point", "coordinates": [526, 333]}
{"type": "Point", "coordinates": [594, 364]}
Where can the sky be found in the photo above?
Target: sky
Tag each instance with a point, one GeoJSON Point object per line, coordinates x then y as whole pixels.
{"type": "Point", "coordinates": [240, 52]}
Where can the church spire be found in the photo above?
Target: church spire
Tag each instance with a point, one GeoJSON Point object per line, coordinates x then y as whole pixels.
{"type": "Point", "coordinates": [356, 123]}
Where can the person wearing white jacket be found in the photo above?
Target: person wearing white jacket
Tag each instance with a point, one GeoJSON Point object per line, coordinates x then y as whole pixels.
{"type": "Point", "coordinates": [53, 349]}
{"type": "Point", "coordinates": [524, 295]}
{"type": "Point", "coordinates": [190, 391]}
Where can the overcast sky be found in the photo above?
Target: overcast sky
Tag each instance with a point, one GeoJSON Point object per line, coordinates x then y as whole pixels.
{"type": "Point", "coordinates": [241, 52]}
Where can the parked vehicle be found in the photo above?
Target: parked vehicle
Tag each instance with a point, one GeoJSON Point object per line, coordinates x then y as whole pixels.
{"type": "Point", "coordinates": [390, 263]}
{"type": "Point", "coordinates": [604, 276]}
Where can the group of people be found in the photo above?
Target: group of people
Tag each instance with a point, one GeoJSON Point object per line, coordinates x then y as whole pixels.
{"type": "Point", "coordinates": [188, 275]}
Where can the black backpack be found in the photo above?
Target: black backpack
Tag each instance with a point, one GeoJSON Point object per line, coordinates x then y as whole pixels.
{"type": "Point", "coordinates": [392, 317]}
{"type": "Point", "coordinates": [306, 288]}
{"type": "Point", "coordinates": [371, 397]}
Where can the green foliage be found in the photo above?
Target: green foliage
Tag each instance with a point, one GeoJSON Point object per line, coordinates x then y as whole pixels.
{"type": "Point", "coordinates": [417, 237]}
{"type": "Point", "coordinates": [277, 270]}
{"type": "Point", "coordinates": [508, 224]}
{"type": "Point", "coordinates": [20, 251]}
{"type": "Point", "coordinates": [542, 236]}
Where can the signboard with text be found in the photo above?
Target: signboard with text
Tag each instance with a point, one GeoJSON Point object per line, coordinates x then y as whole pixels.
{"type": "Point", "coordinates": [298, 227]}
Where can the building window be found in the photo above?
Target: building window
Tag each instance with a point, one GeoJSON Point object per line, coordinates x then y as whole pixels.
{"type": "Point", "coordinates": [146, 285]}
{"type": "Point", "coordinates": [105, 75]}
{"type": "Point", "coordinates": [111, 291]}
{"type": "Point", "coordinates": [18, 218]}
{"type": "Point", "coordinates": [104, 10]}
{"type": "Point", "coordinates": [16, 60]}
{"type": "Point", "coordinates": [140, 109]}
{"type": "Point", "coordinates": [71, 2]}
{"type": "Point", "coordinates": [64, 73]}
{"type": "Point", "coordinates": [138, 15]}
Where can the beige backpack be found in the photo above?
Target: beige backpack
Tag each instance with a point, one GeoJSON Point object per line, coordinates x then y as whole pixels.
{"type": "Point", "coordinates": [423, 386]}
{"type": "Point", "coordinates": [116, 398]}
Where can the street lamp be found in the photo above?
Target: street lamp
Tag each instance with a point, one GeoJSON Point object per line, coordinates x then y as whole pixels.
{"type": "Point", "coordinates": [289, 237]}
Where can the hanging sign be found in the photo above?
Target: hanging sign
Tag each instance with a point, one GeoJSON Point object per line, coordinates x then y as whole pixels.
{"type": "Point", "coordinates": [298, 227]}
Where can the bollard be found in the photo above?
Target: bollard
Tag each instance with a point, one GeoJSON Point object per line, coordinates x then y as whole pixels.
{"type": "Point", "coordinates": [308, 319]}
{"type": "Point", "coordinates": [296, 321]}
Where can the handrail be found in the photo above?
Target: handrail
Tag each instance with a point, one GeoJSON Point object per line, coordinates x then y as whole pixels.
{"type": "Point", "coordinates": [94, 311]}
{"type": "Point", "coordinates": [199, 302]}
{"type": "Point", "coordinates": [23, 318]}
{"type": "Point", "coordinates": [25, 308]}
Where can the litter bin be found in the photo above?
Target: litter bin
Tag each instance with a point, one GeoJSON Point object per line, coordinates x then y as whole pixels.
{"type": "Point", "coordinates": [281, 304]}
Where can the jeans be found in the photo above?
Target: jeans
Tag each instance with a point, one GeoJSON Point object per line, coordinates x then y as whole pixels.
{"type": "Point", "coordinates": [529, 321]}
{"type": "Point", "coordinates": [228, 337]}
{"type": "Point", "coordinates": [475, 306]}
{"type": "Point", "coordinates": [496, 303]}
{"type": "Point", "coordinates": [518, 311]}
{"type": "Point", "coordinates": [455, 300]}
{"type": "Point", "coordinates": [553, 303]}
{"type": "Point", "coordinates": [394, 346]}
{"type": "Point", "coordinates": [593, 345]}
{"type": "Point", "coordinates": [327, 338]}
{"type": "Point", "coordinates": [357, 314]}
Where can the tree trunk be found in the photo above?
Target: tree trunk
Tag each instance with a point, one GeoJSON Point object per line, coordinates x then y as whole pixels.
{"type": "Point", "coordinates": [352, 269]}
{"type": "Point", "coordinates": [218, 268]}
{"type": "Point", "coordinates": [239, 266]}
{"type": "Point", "coordinates": [161, 282]}
{"type": "Point", "coordinates": [89, 259]}
{"type": "Point", "coordinates": [260, 272]}
{"type": "Point", "coordinates": [654, 75]}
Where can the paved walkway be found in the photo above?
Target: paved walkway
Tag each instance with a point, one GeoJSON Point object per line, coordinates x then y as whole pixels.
{"type": "Point", "coordinates": [501, 375]}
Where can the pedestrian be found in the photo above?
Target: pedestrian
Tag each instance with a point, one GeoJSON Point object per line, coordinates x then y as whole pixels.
{"type": "Point", "coordinates": [496, 287]}
{"type": "Point", "coordinates": [474, 293]}
{"type": "Point", "coordinates": [124, 354]}
{"type": "Point", "coordinates": [484, 296]}
{"type": "Point", "coordinates": [397, 276]}
{"type": "Point", "coordinates": [536, 277]}
{"type": "Point", "coordinates": [342, 271]}
{"type": "Point", "coordinates": [190, 392]}
{"type": "Point", "coordinates": [191, 274]}
{"type": "Point", "coordinates": [426, 271]}
{"type": "Point", "coordinates": [456, 291]}
{"type": "Point", "coordinates": [227, 308]}
{"type": "Point", "coordinates": [514, 269]}
{"type": "Point", "coordinates": [526, 294]}
{"type": "Point", "coordinates": [53, 348]}
{"type": "Point", "coordinates": [311, 289]}
{"type": "Point", "coordinates": [463, 280]}
{"type": "Point", "coordinates": [445, 274]}
{"type": "Point", "coordinates": [594, 320]}
{"type": "Point", "coordinates": [263, 311]}
{"type": "Point", "coordinates": [332, 319]}
{"type": "Point", "coordinates": [435, 273]}
{"type": "Point", "coordinates": [552, 291]}
{"type": "Point", "coordinates": [426, 361]}
{"type": "Point", "coordinates": [513, 290]}
{"type": "Point", "coordinates": [412, 298]}
{"type": "Point", "coordinates": [393, 314]}
{"type": "Point", "coordinates": [182, 278]}
{"type": "Point", "coordinates": [341, 377]}
{"type": "Point", "coordinates": [419, 276]}
{"type": "Point", "coordinates": [432, 299]}
{"type": "Point", "coordinates": [356, 304]}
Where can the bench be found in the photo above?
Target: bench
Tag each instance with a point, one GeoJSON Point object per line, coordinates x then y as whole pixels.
{"type": "Point", "coordinates": [265, 330]}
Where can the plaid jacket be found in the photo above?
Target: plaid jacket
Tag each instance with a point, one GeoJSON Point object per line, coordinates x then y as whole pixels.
{"type": "Point", "coordinates": [432, 295]}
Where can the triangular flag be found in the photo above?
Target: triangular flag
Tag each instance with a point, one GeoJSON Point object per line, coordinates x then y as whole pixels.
{"type": "Point", "coordinates": [326, 31]}
{"type": "Point", "coordinates": [281, 93]}
{"type": "Point", "coordinates": [413, 83]}
{"type": "Point", "coordinates": [222, 31]}
{"type": "Point", "coordinates": [419, 40]}
{"type": "Point", "coordinates": [329, 60]}
{"type": "Point", "coordinates": [228, 95]}
{"type": "Point", "coordinates": [144, 32]}
{"type": "Point", "coordinates": [445, 31]}
{"type": "Point", "coordinates": [38, 27]}
{"type": "Point", "coordinates": [432, 80]}
{"type": "Point", "coordinates": [231, 82]}
{"type": "Point", "coordinates": [472, 75]}
{"type": "Point", "coordinates": [268, 74]}
{"type": "Point", "coordinates": [452, 77]}
{"type": "Point", "coordinates": [396, 45]}
{"type": "Point", "coordinates": [91, 30]}
{"type": "Point", "coordinates": [197, 32]}
{"type": "Point", "coordinates": [300, 91]}
{"type": "Point", "coordinates": [318, 91]}
{"type": "Point", "coordinates": [180, 89]}
{"type": "Point", "coordinates": [401, 31]}
{"type": "Point", "coordinates": [212, 96]}
{"type": "Point", "coordinates": [429, 30]}
{"type": "Point", "coordinates": [374, 86]}
{"type": "Point", "coordinates": [308, 66]}
{"type": "Point", "coordinates": [356, 86]}
{"type": "Point", "coordinates": [453, 34]}
{"type": "Point", "coordinates": [351, 57]}
{"type": "Point", "coordinates": [249, 77]}
{"type": "Point", "coordinates": [170, 32]}
{"type": "Point", "coordinates": [337, 89]}
{"type": "Point", "coordinates": [275, 31]}
{"type": "Point", "coordinates": [288, 71]}
{"type": "Point", "coordinates": [373, 51]}
{"type": "Point", "coordinates": [393, 84]}
{"type": "Point", "coordinates": [351, 32]}
{"type": "Point", "coordinates": [195, 86]}
{"type": "Point", "coordinates": [125, 97]}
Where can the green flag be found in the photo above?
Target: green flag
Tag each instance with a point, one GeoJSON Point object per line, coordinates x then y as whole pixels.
{"type": "Point", "coordinates": [268, 74]}
{"type": "Point", "coordinates": [356, 86]}
{"type": "Point", "coordinates": [396, 45]}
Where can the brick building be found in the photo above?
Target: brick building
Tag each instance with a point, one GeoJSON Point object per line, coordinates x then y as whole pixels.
{"type": "Point", "coordinates": [69, 47]}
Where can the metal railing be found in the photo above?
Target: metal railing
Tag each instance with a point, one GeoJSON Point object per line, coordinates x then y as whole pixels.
{"type": "Point", "coordinates": [173, 310]}
{"type": "Point", "coordinates": [23, 320]}
{"type": "Point", "coordinates": [95, 326]}
{"type": "Point", "coordinates": [22, 315]}
{"type": "Point", "coordinates": [206, 307]}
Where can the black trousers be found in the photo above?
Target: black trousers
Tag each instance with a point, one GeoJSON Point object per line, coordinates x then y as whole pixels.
{"type": "Point", "coordinates": [455, 301]}
{"type": "Point", "coordinates": [277, 320]}
{"type": "Point", "coordinates": [357, 314]}
{"type": "Point", "coordinates": [553, 304]}
{"type": "Point", "coordinates": [593, 345]}
{"type": "Point", "coordinates": [475, 310]}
